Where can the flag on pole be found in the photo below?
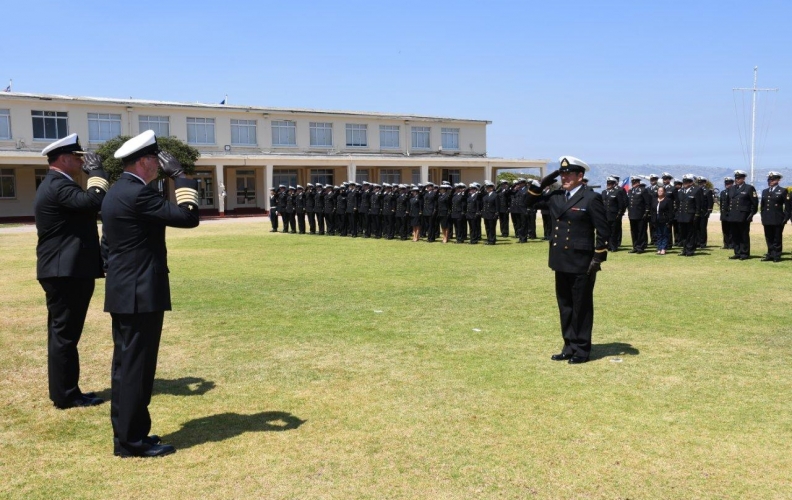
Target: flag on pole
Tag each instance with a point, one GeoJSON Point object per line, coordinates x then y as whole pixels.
{"type": "Point", "coordinates": [626, 183]}
{"type": "Point", "coordinates": [8, 89]}
{"type": "Point", "coordinates": [225, 100]}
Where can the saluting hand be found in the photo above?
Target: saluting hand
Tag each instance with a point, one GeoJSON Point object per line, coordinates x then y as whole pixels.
{"type": "Point", "coordinates": [170, 165]}
{"type": "Point", "coordinates": [92, 165]}
{"type": "Point", "coordinates": [549, 179]}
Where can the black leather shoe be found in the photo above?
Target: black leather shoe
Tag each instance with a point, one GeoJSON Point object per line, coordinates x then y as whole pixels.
{"type": "Point", "coordinates": [777, 259]}
{"type": "Point", "coordinates": [633, 251]}
{"type": "Point", "coordinates": [83, 400]}
{"type": "Point", "coordinates": [142, 449]}
{"type": "Point", "coordinates": [744, 258]}
{"type": "Point", "coordinates": [561, 357]}
{"type": "Point", "coordinates": [734, 257]}
{"type": "Point", "coordinates": [577, 360]}
{"type": "Point", "coordinates": [766, 259]}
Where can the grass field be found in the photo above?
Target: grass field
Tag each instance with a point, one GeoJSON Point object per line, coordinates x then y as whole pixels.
{"type": "Point", "coordinates": [317, 367]}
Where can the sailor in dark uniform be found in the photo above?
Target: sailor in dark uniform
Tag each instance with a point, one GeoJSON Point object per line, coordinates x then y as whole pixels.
{"type": "Point", "coordinates": [137, 294]}
{"type": "Point", "coordinates": [743, 205]}
{"type": "Point", "coordinates": [490, 203]}
{"type": "Point", "coordinates": [776, 211]}
{"type": "Point", "coordinates": [615, 202]}
{"type": "Point", "coordinates": [352, 207]}
{"type": "Point", "coordinates": [514, 210]}
{"type": "Point", "coordinates": [429, 210]}
{"type": "Point", "coordinates": [576, 253]}
{"type": "Point", "coordinates": [458, 209]}
{"type": "Point", "coordinates": [68, 260]}
{"type": "Point", "coordinates": [310, 207]}
{"type": "Point", "coordinates": [291, 210]}
{"type": "Point", "coordinates": [504, 194]}
{"type": "Point", "coordinates": [401, 212]}
{"type": "Point", "coordinates": [281, 205]}
{"type": "Point", "coordinates": [689, 204]}
{"type": "Point", "coordinates": [638, 212]}
{"type": "Point", "coordinates": [670, 190]}
{"type": "Point", "coordinates": [708, 202]}
{"type": "Point", "coordinates": [388, 211]}
{"type": "Point", "coordinates": [444, 210]}
{"type": "Point", "coordinates": [675, 225]}
{"type": "Point", "coordinates": [329, 209]}
{"type": "Point", "coordinates": [723, 201]}
{"type": "Point", "coordinates": [319, 195]}
{"type": "Point", "coordinates": [415, 212]}
{"type": "Point", "coordinates": [273, 211]}
{"type": "Point", "coordinates": [299, 208]}
{"type": "Point", "coordinates": [375, 211]}
{"type": "Point", "coordinates": [363, 209]}
{"type": "Point", "coordinates": [652, 188]}
{"type": "Point", "coordinates": [473, 213]}
{"type": "Point", "coordinates": [340, 210]}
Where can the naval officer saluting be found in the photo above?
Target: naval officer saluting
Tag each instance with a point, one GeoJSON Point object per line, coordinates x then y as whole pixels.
{"type": "Point", "coordinates": [575, 252]}
{"type": "Point", "coordinates": [137, 288]}
{"type": "Point", "coordinates": [68, 260]}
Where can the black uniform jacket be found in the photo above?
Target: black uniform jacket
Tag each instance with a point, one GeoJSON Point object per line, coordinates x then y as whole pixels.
{"type": "Point", "coordinates": [68, 241]}
{"type": "Point", "coordinates": [723, 201]}
{"type": "Point", "coordinates": [458, 206]}
{"type": "Point", "coordinates": [640, 201]}
{"type": "Point", "coordinates": [430, 203]}
{"type": "Point", "coordinates": [443, 204]}
{"type": "Point", "coordinates": [665, 213]}
{"type": "Point", "coordinates": [134, 217]}
{"type": "Point", "coordinates": [615, 200]}
{"type": "Point", "coordinates": [473, 207]}
{"type": "Point", "coordinates": [490, 206]}
{"type": "Point", "coordinates": [743, 203]}
{"type": "Point", "coordinates": [573, 243]}
{"type": "Point", "coordinates": [689, 203]}
{"type": "Point", "coordinates": [776, 206]}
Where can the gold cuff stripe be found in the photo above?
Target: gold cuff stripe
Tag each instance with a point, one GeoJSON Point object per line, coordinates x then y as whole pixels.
{"type": "Point", "coordinates": [186, 195]}
{"type": "Point", "coordinates": [98, 182]}
{"type": "Point", "coordinates": [534, 194]}
{"type": "Point", "coordinates": [601, 251]}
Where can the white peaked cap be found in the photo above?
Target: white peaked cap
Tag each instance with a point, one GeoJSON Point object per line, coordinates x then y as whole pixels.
{"type": "Point", "coordinates": [140, 145]}
{"type": "Point", "coordinates": [571, 161]}
{"type": "Point", "coordinates": [71, 143]}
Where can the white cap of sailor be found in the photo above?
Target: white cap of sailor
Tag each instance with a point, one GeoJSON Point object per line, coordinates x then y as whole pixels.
{"type": "Point", "coordinates": [141, 145]}
{"type": "Point", "coordinates": [666, 175]}
{"type": "Point", "coordinates": [740, 173]}
{"type": "Point", "coordinates": [572, 164]}
{"type": "Point", "coordinates": [69, 144]}
{"type": "Point", "coordinates": [688, 178]}
{"type": "Point", "coordinates": [612, 179]}
{"type": "Point", "coordinates": [774, 175]}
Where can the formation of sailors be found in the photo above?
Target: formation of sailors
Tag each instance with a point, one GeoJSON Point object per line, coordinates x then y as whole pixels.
{"type": "Point", "coordinates": [443, 212]}
{"type": "Point", "coordinates": [447, 212]}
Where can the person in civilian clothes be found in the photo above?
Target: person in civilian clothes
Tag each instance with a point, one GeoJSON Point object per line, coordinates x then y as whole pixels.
{"type": "Point", "coordinates": [273, 212]}
{"type": "Point", "coordinates": [352, 208]}
{"type": "Point", "coordinates": [743, 205]}
{"type": "Point", "coordinates": [429, 210]}
{"type": "Point", "coordinates": [473, 213]}
{"type": "Point", "coordinates": [68, 261]}
{"type": "Point", "coordinates": [776, 210]}
{"type": "Point", "coordinates": [458, 209]}
{"type": "Point", "coordinates": [444, 210]}
{"type": "Point", "coordinates": [319, 196]}
{"type": "Point", "coordinates": [638, 213]}
{"type": "Point", "coordinates": [662, 215]}
{"type": "Point", "coordinates": [281, 205]}
{"type": "Point", "coordinates": [388, 211]}
{"type": "Point", "coordinates": [490, 204]}
{"type": "Point", "coordinates": [689, 203]}
{"type": "Point", "coordinates": [137, 294]}
{"type": "Point", "coordinates": [329, 209]}
{"type": "Point", "coordinates": [415, 212]}
{"type": "Point", "coordinates": [578, 247]}
{"type": "Point", "coordinates": [310, 207]}
{"type": "Point", "coordinates": [708, 202]}
{"type": "Point", "coordinates": [652, 188]}
{"type": "Point", "coordinates": [723, 201]}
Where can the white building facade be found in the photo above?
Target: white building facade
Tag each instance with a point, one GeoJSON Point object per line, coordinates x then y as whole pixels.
{"type": "Point", "coordinates": [246, 150]}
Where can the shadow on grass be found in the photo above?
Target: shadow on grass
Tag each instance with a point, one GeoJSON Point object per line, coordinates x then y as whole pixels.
{"type": "Point", "coordinates": [227, 425]}
{"type": "Point", "coordinates": [183, 386]}
{"type": "Point", "coordinates": [599, 351]}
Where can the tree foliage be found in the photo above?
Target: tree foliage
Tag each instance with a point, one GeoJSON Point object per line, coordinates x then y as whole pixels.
{"type": "Point", "coordinates": [512, 176]}
{"type": "Point", "coordinates": [187, 155]}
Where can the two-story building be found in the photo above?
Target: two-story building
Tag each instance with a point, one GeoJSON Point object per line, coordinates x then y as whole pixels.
{"type": "Point", "coordinates": [245, 150]}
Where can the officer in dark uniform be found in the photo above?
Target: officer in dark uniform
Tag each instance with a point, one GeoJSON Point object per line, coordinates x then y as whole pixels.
{"type": "Point", "coordinates": [282, 197]}
{"type": "Point", "coordinates": [514, 211]}
{"type": "Point", "coordinates": [273, 211]}
{"type": "Point", "coordinates": [310, 207]}
{"type": "Point", "coordinates": [329, 209]}
{"type": "Point", "coordinates": [490, 203]}
{"type": "Point", "coordinates": [743, 205]}
{"type": "Point", "coordinates": [319, 195]}
{"type": "Point", "coordinates": [352, 207]}
{"type": "Point", "coordinates": [444, 210]}
{"type": "Point", "coordinates": [375, 211]}
{"type": "Point", "coordinates": [519, 210]}
{"type": "Point", "coordinates": [675, 225]}
{"type": "Point", "coordinates": [458, 209]}
{"type": "Point", "coordinates": [652, 188]}
{"type": "Point", "coordinates": [365, 205]}
{"type": "Point", "coordinates": [723, 201]}
{"type": "Point", "coordinates": [415, 212]}
{"type": "Point", "coordinates": [615, 202]}
{"type": "Point", "coordinates": [575, 253]}
{"type": "Point", "coordinates": [137, 293]}
{"type": "Point", "coordinates": [776, 210]}
{"type": "Point", "coordinates": [689, 205]}
{"type": "Point", "coordinates": [401, 212]}
{"type": "Point", "coordinates": [68, 261]}
{"type": "Point", "coordinates": [290, 210]}
{"type": "Point", "coordinates": [429, 210]}
{"type": "Point", "coordinates": [299, 208]}
{"type": "Point", "coordinates": [638, 212]}
{"type": "Point", "coordinates": [473, 213]}
{"type": "Point", "coordinates": [389, 212]}
{"type": "Point", "coordinates": [708, 202]}
{"type": "Point", "coordinates": [340, 210]}
{"type": "Point", "coordinates": [670, 190]}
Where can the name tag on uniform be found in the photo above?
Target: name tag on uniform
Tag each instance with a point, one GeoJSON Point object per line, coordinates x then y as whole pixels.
{"type": "Point", "coordinates": [575, 209]}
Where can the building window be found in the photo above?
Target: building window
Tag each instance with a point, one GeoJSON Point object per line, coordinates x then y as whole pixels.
{"type": "Point", "coordinates": [285, 177]}
{"type": "Point", "coordinates": [205, 188]}
{"type": "Point", "coordinates": [103, 127]}
{"type": "Point", "coordinates": [5, 124]}
{"type": "Point", "coordinates": [450, 138]}
{"type": "Point", "coordinates": [284, 133]}
{"type": "Point", "coordinates": [389, 137]}
{"type": "Point", "coordinates": [243, 132]}
{"type": "Point", "coordinates": [416, 176]}
{"type": "Point", "coordinates": [7, 183]}
{"type": "Point", "coordinates": [200, 130]}
{"type": "Point", "coordinates": [321, 134]}
{"type": "Point", "coordinates": [356, 135]}
{"type": "Point", "coordinates": [361, 175]}
{"type": "Point", "coordinates": [322, 176]}
{"type": "Point", "coordinates": [159, 124]}
{"type": "Point", "coordinates": [452, 175]}
{"type": "Point", "coordinates": [246, 187]}
{"type": "Point", "coordinates": [392, 176]}
{"type": "Point", "coordinates": [420, 137]}
{"type": "Point", "coordinates": [40, 174]}
{"type": "Point", "coordinates": [50, 125]}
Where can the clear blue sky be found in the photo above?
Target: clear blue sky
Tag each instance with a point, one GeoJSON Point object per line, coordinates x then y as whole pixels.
{"type": "Point", "coordinates": [611, 82]}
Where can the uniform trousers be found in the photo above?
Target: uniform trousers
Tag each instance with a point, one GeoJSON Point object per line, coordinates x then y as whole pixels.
{"type": "Point", "coordinates": [701, 232]}
{"type": "Point", "coordinates": [727, 237]}
{"type": "Point", "coordinates": [613, 244]}
{"type": "Point", "coordinates": [312, 222]}
{"type": "Point", "coordinates": [329, 223]}
{"type": "Point", "coordinates": [504, 224]}
{"type": "Point", "coordinates": [374, 225]}
{"type": "Point", "coordinates": [575, 297]}
{"type": "Point", "coordinates": [341, 224]}
{"type": "Point", "coordinates": [67, 305]}
{"type": "Point", "coordinates": [389, 221]}
{"type": "Point", "coordinates": [461, 229]}
{"type": "Point", "coordinates": [638, 233]}
{"type": "Point", "coordinates": [285, 220]}
{"type": "Point", "coordinates": [773, 236]}
{"type": "Point", "coordinates": [687, 237]}
{"type": "Point", "coordinates": [516, 223]}
{"type": "Point", "coordinates": [273, 216]}
{"type": "Point", "coordinates": [475, 229]}
{"type": "Point", "coordinates": [364, 224]}
{"type": "Point", "coordinates": [403, 226]}
{"type": "Point", "coordinates": [430, 223]}
{"type": "Point", "coordinates": [136, 339]}
{"type": "Point", "coordinates": [741, 238]}
{"type": "Point", "coordinates": [352, 226]}
{"type": "Point", "coordinates": [547, 225]}
{"type": "Point", "coordinates": [300, 222]}
{"type": "Point", "coordinates": [652, 234]}
{"type": "Point", "coordinates": [490, 225]}
{"type": "Point", "coordinates": [320, 222]}
{"type": "Point", "coordinates": [529, 224]}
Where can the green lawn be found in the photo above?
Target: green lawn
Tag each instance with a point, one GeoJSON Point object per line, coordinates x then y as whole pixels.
{"type": "Point", "coordinates": [316, 367]}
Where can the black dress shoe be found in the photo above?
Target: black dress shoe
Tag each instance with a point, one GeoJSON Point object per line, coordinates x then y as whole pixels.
{"type": "Point", "coordinates": [744, 258]}
{"type": "Point", "coordinates": [561, 357]}
{"type": "Point", "coordinates": [734, 257]}
{"type": "Point", "coordinates": [633, 251]}
{"type": "Point", "coordinates": [83, 400]}
{"type": "Point", "coordinates": [142, 449]}
{"type": "Point", "coordinates": [777, 259]}
{"type": "Point", "coordinates": [766, 259]}
{"type": "Point", "coordinates": [577, 360]}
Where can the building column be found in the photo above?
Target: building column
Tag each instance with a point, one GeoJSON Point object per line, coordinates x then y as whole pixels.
{"type": "Point", "coordinates": [424, 174]}
{"type": "Point", "coordinates": [262, 195]}
{"type": "Point", "coordinates": [488, 173]}
{"type": "Point", "coordinates": [352, 172]}
{"type": "Point", "coordinates": [220, 189]}
{"type": "Point", "coordinates": [267, 184]}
